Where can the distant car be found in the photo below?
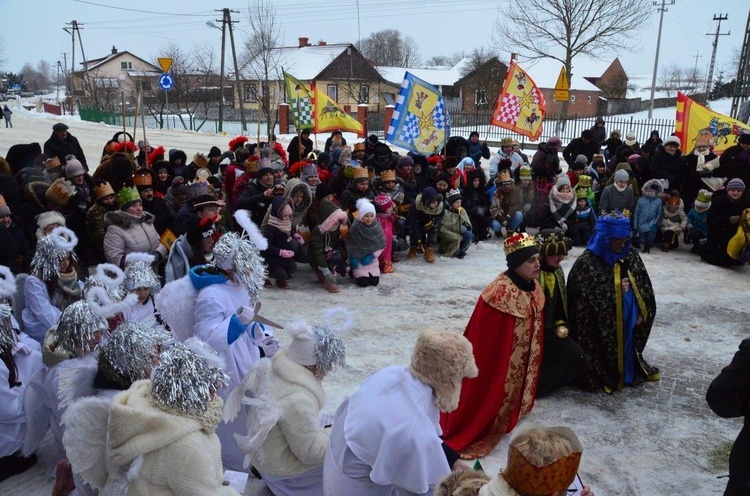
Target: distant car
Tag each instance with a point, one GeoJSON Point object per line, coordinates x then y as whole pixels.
{"type": "Point", "coordinates": [27, 94]}
{"type": "Point", "coordinates": [40, 92]}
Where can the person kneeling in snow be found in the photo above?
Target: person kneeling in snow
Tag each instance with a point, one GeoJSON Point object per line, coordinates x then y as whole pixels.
{"type": "Point", "coordinates": [364, 244]}
{"type": "Point", "coordinates": [285, 442]}
{"type": "Point", "coordinates": [386, 436]}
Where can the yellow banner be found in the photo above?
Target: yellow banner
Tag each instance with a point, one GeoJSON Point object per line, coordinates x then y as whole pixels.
{"type": "Point", "coordinates": [693, 120]}
{"type": "Point", "coordinates": [330, 117]}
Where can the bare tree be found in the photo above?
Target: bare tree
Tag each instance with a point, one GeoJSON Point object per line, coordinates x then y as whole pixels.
{"type": "Point", "coordinates": [261, 61]}
{"type": "Point", "coordinates": [564, 29]}
{"type": "Point", "coordinates": [35, 79]}
{"type": "Point", "coordinates": [388, 48]}
{"type": "Point", "coordinates": [446, 60]}
{"type": "Point", "coordinates": [3, 59]}
{"type": "Point", "coordinates": [208, 92]}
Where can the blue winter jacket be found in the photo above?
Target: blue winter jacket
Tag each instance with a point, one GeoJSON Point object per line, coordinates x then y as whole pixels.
{"type": "Point", "coordinates": [648, 212]}
{"type": "Point", "coordinates": [698, 220]}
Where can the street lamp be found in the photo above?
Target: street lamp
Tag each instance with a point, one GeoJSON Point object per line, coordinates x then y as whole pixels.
{"type": "Point", "coordinates": [221, 76]}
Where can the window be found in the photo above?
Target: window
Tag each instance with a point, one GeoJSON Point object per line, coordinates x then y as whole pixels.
{"type": "Point", "coordinates": [249, 92]}
{"type": "Point", "coordinates": [572, 98]}
{"type": "Point", "coordinates": [106, 82]}
{"type": "Point", "coordinates": [126, 65]}
{"type": "Point", "coordinates": [588, 99]}
{"type": "Point", "coordinates": [480, 96]}
{"type": "Point", "coordinates": [333, 92]}
{"type": "Point", "coordinates": [495, 72]}
{"type": "Point", "coordinates": [364, 93]}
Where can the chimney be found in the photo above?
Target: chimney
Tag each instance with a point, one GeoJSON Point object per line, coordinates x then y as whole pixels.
{"type": "Point", "coordinates": [322, 43]}
{"type": "Point", "coordinates": [114, 50]}
{"type": "Point", "coordinates": [303, 42]}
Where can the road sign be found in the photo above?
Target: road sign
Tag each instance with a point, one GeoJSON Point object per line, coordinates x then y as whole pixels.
{"type": "Point", "coordinates": [166, 81]}
{"type": "Point", "coordinates": [165, 63]}
{"type": "Point", "coordinates": [562, 87]}
{"type": "Point", "coordinates": [17, 87]}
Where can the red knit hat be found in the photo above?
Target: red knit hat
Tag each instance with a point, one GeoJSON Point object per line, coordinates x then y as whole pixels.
{"type": "Point", "coordinates": [383, 203]}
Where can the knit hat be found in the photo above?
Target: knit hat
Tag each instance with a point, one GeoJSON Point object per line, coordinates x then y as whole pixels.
{"type": "Point", "coordinates": [429, 195]}
{"type": "Point", "coordinates": [735, 183]}
{"type": "Point", "coordinates": [322, 190]}
{"type": "Point", "coordinates": [744, 138]}
{"type": "Point", "coordinates": [364, 207]}
{"type": "Point", "coordinates": [308, 170]}
{"type": "Point", "coordinates": [518, 248]}
{"type": "Point", "coordinates": [524, 172]}
{"type": "Point", "coordinates": [587, 134]}
{"type": "Point", "coordinates": [73, 167]}
{"type": "Point", "coordinates": [554, 142]}
{"type": "Point", "coordinates": [703, 200]}
{"type": "Point", "coordinates": [4, 208]}
{"type": "Point", "coordinates": [621, 175]}
{"type": "Point", "coordinates": [405, 160]}
{"type": "Point", "coordinates": [443, 177]}
{"type": "Point", "coordinates": [383, 203]}
{"type": "Point", "coordinates": [580, 162]}
{"type": "Point", "coordinates": [200, 229]}
{"type": "Point", "coordinates": [214, 152]}
{"type": "Point", "coordinates": [563, 180]}
{"type": "Point", "coordinates": [452, 196]}
{"type": "Point", "coordinates": [672, 140]}
{"type": "Point", "coordinates": [277, 165]}
{"type": "Point", "coordinates": [200, 160]}
{"type": "Point", "coordinates": [633, 158]}
{"type": "Point", "coordinates": [441, 360]}
{"type": "Point", "coordinates": [552, 242]}
{"type": "Point", "coordinates": [178, 186]}
{"type": "Point", "coordinates": [630, 139]}
{"type": "Point", "coordinates": [319, 345]}
{"type": "Point", "coordinates": [60, 192]}
{"type": "Point", "coordinates": [127, 197]}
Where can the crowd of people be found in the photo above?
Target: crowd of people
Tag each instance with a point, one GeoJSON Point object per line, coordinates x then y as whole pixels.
{"type": "Point", "coordinates": [130, 321]}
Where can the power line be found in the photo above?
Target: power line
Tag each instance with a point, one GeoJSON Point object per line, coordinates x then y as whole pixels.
{"type": "Point", "coordinates": [141, 11]}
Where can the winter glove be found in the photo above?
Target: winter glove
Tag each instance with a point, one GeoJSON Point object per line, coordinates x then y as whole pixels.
{"type": "Point", "coordinates": [563, 226]}
{"type": "Point", "coordinates": [270, 345]}
{"type": "Point", "coordinates": [354, 262]}
{"type": "Point", "coordinates": [328, 276]}
{"type": "Point", "coordinates": [286, 253]}
{"type": "Point", "coordinates": [734, 219]}
{"type": "Point", "coordinates": [462, 230]}
{"type": "Point", "coordinates": [526, 207]}
{"type": "Point", "coordinates": [245, 315]}
{"type": "Point", "coordinates": [299, 238]}
{"type": "Point", "coordinates": [367, 259]}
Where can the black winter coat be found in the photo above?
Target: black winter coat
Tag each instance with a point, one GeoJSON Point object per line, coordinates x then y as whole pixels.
{"type": "Point", "coordinates": [12, 248]}
{"type": "Point", "coordinates": [732, 166]}
{"type": "Point", "coordinates": [578, 147]}
{"type": "Point", "coordinates": [293, 150]}
{"type": "Point", "coordinates": [669, 167]}
{"type": "Point", "coordinates": [56, 147]}
{"type": "Point", "coordinates": [720, 230]}
{"type": "Point", "coordinates": [349, 197]}
{"type": "Point", "coordinates": [545, 164]}
{"type": "Point", "coordinates": [253, 199]}
{"type": "Point", "coordinates": [163, 216]}
{"type": "Point", "coordinates": [729, 396]}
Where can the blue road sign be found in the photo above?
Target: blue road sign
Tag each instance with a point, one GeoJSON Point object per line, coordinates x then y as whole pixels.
{"type": "Point", "coordinates": [17, 87]}
{"type": "Point", "coordinates": [166, 81]}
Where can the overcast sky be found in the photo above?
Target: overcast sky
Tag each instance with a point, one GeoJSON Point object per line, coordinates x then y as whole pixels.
{"type": "Point", "coordinates": [33, 29]}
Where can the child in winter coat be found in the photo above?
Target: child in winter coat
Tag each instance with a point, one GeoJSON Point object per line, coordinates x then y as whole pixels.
{"type": "Point", "coordinates": [697, 220]}
{"type": "Point", "coordinates": [562, 205]}
{"type": "Point", "coordinates": [387, 220]}
{"type": "Point", "coordinates": [325, 253]}
{"type": "Point", "coordinates": [505, 209]}
{"type": "Point", "coordinates": [364, 244]}
{"type": "Point", "coordinates": [455, 227]}
{"type": "Point", "coordinates": [674, 221]}
{"type": "Point", "coordinates": [527, 197]}
{"type": "Point", "coordinates": [648, 210]}
{"type": "Point", "coordinates": [282, 244]}
{"type": "Point", "coordinates": [585, 220]}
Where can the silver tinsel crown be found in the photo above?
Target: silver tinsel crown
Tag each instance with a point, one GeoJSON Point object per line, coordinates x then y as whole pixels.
{"type": "Point", "coordinates": [238, 254]}
{"type": "Point", "coordinates": [140, 275]}
{"type": "Point", "coordinates": [329, 347]}
{"type": "Point", "coordinates": [51, 250]}
{"type": "Point", "coordinates": [7, 339]}
{"type": "Point", "coordinates": [132, 349]}
{"type": "Point", "coordinates": [77, 326]}
{"type": "Point", "coordinates": [187, 376]}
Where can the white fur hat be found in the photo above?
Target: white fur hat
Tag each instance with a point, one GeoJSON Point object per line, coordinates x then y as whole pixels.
{"type": "Point", "coordinates": [364, 206]}
{"type": "Point", "coordinates": [46, 219]}
{"type": "Point", "coordinates": [441, 359]}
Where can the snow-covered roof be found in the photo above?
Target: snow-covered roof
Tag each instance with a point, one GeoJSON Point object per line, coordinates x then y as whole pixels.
{"type": "Point", "coordinates": [101, 61]}
{"type": "Point", "coordinates": [438, 76]}
{"type": "Point", "coordinates": [545, 72]}
{"type": "Point", "coordinates": [304, 63]}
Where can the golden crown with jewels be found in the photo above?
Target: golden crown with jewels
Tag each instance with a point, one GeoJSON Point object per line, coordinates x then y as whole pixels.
{"type": "Point", "coordinates": [518, 241]}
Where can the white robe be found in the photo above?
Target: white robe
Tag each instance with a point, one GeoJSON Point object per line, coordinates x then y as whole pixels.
{"type": "Point", "coordinates": [40, 313]}
{"type": "Point", "coordinates": [12, 417]}
{"type": "Point", "coordinates": [214, 308]}
{"type": "Point", "coordinates": [386, 439]}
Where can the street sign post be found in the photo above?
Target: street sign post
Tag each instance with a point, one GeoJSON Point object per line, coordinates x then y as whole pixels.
{"type": "Point", "coordinates": [562, 87]}
{"type": "Point", "coordinates": [166, 81]}
{"type": "Point", "coordinates": [165, 63]}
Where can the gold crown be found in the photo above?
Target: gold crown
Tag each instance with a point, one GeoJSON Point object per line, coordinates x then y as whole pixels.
{"type": "Point", "coordinates": [143, 179]}
{"type": "Point", "coordinates": [585, 181]}
{"type": "Point", "coordinates": [102, 190]}
{"type": "Point", "coordinates": [503, 176]}
{"type": "Point", "coordinates": [388, 175]}
{"type": "Point", "coordinates": [360, 173]}
{"type": "Point", "coordinates": [252, 164]}
{"type": "Point", "coordinates": [517, 242]}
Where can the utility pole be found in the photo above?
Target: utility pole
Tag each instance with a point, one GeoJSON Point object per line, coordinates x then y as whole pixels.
{"type": "Point", "coordinates": [695, 69]}
{"type": "Point", "coordinates": [221, 75]}
{"type": "Point", "coordinates": [73, 28]}
{"type": "Point", "coordinates": [65, 68]}
{"type": "Point", "coordinates": [742, 83]}
{"type": "Point", "coordinates": [661, 9]}
{"type": "Point", "coordinates": [710, 77]}
{"type": "Point", "coordinates": [229, 21]}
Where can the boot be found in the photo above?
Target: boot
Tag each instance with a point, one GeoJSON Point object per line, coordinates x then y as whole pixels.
{"type": "Point", "coordinates": [267, 283]}
{"type": "Point", "coordinates": [387, 268]}
{"type": "Point", "coordinates": [429, 254]}
{"type": "Point", "coordinates": [331, 287]}
{"type": "Point", "coordinates": [282, 284]}
{"type": "Point", "coordinates": [412, 252]}
{"type": "Point", "coordinates": [318, 274]}
{"type": "Point", "coordinates": [64, 484]}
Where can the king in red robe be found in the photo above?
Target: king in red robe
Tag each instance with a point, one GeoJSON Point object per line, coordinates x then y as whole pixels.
{"type": "Point", "coordinates": [506, 331]}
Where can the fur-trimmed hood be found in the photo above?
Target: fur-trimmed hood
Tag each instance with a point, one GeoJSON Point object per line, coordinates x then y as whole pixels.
{"type": "Point", "coordinates": [442, 359]}
{"type": "Point", "coordinates": [654, 184]}
{"type": "Point", "coordinates": [126, 220]}
{"type": "Point", "coordinates": [293, 186]}
{"type": "Point", "coordinates": [34, 193]}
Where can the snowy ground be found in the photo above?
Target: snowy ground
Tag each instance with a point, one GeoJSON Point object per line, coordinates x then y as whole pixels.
{"type": "Point", "coordinates": [657, 439]}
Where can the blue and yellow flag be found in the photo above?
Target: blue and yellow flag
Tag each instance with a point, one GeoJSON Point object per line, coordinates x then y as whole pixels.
{"type": "Point", "coordinates": [420, 121]}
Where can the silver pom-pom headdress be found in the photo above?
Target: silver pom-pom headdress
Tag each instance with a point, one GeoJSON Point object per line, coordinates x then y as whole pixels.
{"type": "Point", "coordinates": [7, 284]}
{"type": "Point", "coordinates": [241, 254]}
{"type": "Point", "coordinates": [7, 338]}
{"type": "Point", "coordinates": [320, 345]}
{"type": "Point", "coordinates": [132, 350]}
{"type": "Point", "coordinates": [187, 377]}
{"type": "Point", "coordinates": [51, 250]}
{"type": "Point", "coordinates": [138, 273]}
{"type": "Point", "coordinates": [107, 276]}
{"type": "Point", "coordinates": [77, 327]}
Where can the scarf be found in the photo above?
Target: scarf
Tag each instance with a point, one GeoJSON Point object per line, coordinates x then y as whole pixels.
{"type": "Point", "coordinates": [284, 226]}
{"type": "Point", "coordinates": [701, 157]}
{"type": "Point", "coordinates": [364, 240]}
{"type": "Point", "coordinates": [68, 289]}
{"type": "Point", "coordinates": [561, 205]}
